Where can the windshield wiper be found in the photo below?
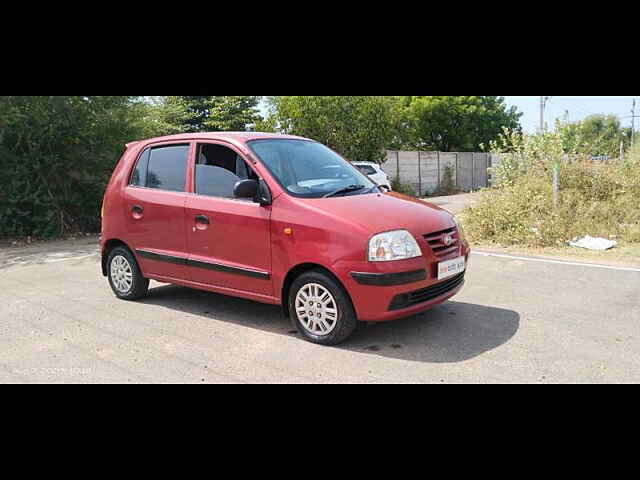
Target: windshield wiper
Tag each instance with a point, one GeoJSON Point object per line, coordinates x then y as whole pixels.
{"type": "Point", "coordinates": [350, 188]}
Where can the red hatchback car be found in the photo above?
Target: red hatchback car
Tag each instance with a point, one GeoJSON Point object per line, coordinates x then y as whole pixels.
{"type": "Point", "coordinates": [277, 219]}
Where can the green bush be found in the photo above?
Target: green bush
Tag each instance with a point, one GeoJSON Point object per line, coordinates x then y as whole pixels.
{"type": "Point", "coordinates": [403, 188]}
{"type": "Point", "coordinates": [595, 199]}
{"type": "Point", "coordinates": [56, 156]}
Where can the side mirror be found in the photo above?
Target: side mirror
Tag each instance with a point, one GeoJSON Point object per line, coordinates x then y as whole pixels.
{"type": "Point", "coordinates": [384, 188]}
{"type": "Point", "coordinates": [245, 189]}
{"type": "Point", "coordinates": [264, 194]}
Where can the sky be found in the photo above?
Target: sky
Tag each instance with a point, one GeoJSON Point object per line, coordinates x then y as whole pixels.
{"type": "Point", "coordinates": [578, 107]}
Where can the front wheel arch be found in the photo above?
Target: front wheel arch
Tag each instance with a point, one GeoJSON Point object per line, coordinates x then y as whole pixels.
{"type": "Point", "coordinates": [294, 273]}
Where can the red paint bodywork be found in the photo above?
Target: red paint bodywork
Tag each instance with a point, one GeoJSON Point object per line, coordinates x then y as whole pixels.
{"type": "Point", "coordinates": [330, 232]}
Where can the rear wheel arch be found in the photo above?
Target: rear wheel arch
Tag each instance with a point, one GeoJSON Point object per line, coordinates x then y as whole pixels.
{"type": "Point", "coordinates": [108, 247]}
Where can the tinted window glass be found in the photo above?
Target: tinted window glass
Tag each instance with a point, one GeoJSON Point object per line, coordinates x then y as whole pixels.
{"type": "Point", "coordinates": [368, 169]}
{"type": "Point", "coordinates": [139, 176]}
{"type": "Point", "coordinates": [168, 167]}
{"type": "Point", "coordinates": [218, 169]}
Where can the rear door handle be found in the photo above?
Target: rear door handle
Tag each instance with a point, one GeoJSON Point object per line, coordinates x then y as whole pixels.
{"type": "Point", "coordinates": [202, 219]}
{"type": "Point", "coordinates": [137, 211]}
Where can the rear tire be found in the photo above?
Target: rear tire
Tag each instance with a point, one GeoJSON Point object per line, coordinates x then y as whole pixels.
{"type": "Point", "coordinates": [124, 275]}
{"type": "Point", "coordinates": [320, 308]}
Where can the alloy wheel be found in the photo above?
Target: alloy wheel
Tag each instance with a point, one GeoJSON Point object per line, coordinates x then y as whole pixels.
{"type": "Point", "coordinates": [316, 309]}
{"type": "Point", "coordinates": [121, 274]}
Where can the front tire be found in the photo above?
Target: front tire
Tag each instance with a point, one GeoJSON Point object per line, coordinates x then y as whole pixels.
{"type": "Point", "coordinates": [320, 308]}
{"type": "Point", "coordinates": [124, 275]}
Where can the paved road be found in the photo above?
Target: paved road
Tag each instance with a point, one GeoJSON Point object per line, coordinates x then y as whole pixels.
{"type": "Point", "coordinates": [454, 203]}
{"type": "Point", "coordinates": [514, 321]}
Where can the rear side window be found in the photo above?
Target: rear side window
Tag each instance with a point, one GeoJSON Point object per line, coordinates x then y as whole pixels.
{"type": "Point", "coordinates": [139, 176]}
{"type": "Point", "coordinates": [163, 168]}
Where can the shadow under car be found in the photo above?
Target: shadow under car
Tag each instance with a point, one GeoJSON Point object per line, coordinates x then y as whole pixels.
{"type": "Point", "coordinates": [451, 332]}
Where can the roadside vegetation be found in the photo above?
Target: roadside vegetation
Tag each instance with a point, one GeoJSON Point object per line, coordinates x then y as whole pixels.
{"type": "Point", "coordinates": [595, 198]}
{"type": "Point", "coordinates": [403, 188]}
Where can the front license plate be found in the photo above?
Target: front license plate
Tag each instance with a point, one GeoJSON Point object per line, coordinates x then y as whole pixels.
{"type": "Point", "coordinates": [450, 267]}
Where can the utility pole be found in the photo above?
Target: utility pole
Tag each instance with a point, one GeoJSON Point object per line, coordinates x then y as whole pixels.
{"type": "Point", "coordinates": [543, 102]}
{"type": "Point", "coordinates": [633, 120]}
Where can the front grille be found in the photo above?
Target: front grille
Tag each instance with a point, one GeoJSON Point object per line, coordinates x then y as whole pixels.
{"type": "Point", "coordinates": [405, 300]}
{"type": "Point", "coordinates": [440, 249]}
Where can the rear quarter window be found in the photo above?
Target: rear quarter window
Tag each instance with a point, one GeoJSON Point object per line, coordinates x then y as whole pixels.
{"type": "Point", "coordinates": [139, 175]}
{"type": "Point", "coordinates": [162, 168]}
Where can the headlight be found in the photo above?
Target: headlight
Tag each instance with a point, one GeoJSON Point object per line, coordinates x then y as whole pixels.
{"type": "Point", "coordinates": [461, 234]}
{"type": "Point", "coordinates": [396, 245]}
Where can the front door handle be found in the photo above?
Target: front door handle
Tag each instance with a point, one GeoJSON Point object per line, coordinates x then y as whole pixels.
{"type": "Point", "coordinates": [202, 219]}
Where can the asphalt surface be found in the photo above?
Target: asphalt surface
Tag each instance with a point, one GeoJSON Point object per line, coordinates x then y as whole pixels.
{"type": "Point", "coordinates": [515, 321]}
{"type": "Point", "coordinates": [454, 203]}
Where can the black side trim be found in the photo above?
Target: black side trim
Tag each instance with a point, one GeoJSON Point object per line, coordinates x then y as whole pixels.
{"type": "Point", "coordinates": [161, 258]}
{"type": "Point", "coordinates": [388, 279]}
{"type": "Point", "coordinates": [228, 269]}
{"type": "Point", "coordinates": [206, 265]}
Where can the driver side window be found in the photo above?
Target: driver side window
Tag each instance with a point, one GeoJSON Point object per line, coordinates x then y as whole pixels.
{"type": "Point", "coordinates": [218, 169]}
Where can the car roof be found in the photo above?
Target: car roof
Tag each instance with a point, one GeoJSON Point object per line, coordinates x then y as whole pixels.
{"type": "Point", "coordinates": [236, 137]}
{"type": "Point", "coordinates": [365, 163]}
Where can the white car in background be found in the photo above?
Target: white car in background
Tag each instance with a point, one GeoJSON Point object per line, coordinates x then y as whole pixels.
{"type": "Point", "coordinates": [375, 173]}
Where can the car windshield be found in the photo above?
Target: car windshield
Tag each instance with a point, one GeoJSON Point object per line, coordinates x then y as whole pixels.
{"type": "Point", "coordinates": [309, 169]}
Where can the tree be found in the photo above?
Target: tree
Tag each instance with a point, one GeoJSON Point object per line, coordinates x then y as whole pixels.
{"type": "Point", "coordinates": [455, 123]}
{"type": "Point", "coordinates": [56, 155]}
{"type": "Point", "coordinates": [174, 114]}
{"type": "Point", "coordinates": [358, 127]}
{"type": "Point", "coordinates": [167, 116]}
{"type": "Point", "coordinates": [232, 114]}
{"type": "Point", "coordinates": [594, 135]}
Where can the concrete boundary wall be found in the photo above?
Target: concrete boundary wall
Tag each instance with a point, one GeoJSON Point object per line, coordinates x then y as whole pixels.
{"type": "Point", "coordinates": [430, 172]}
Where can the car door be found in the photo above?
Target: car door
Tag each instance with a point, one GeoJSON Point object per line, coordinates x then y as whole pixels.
{"type": "Point", "coordinates": [228, 238]}
{"type": "Point", "coordinates": [155, 209]}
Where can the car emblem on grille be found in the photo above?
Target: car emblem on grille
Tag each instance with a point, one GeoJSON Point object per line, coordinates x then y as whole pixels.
{"type": "Point", "coordinates": [448, 240]}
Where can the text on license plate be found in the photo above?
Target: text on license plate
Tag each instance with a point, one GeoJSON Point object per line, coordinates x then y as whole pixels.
{"type": "Point", "coordinates": [450, 268]}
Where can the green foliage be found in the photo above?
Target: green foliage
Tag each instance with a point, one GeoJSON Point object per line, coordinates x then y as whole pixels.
{"type": "Point", "coordinates": [452, 123]}
{"type": "Point", "coordinates": [56, 155]}
{"type": "Point", "coordinates": [166, 116]}
{"type": "Point", "coordinates": [172, 114]}
{"type": "Point", "coordinates": [357, 127]}
{"type": "Point", "coordinates": [398, 186]}
{"type": "Point", "coordinates": [595, 135]}
{"type": "Point", "coordinates": [521, 153]}
{"type": "Point", "coordinates": [595, 199]}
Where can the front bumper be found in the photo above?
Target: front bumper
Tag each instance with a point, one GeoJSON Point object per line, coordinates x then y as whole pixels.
{"type": "Point", "coordinates": [398, 289]}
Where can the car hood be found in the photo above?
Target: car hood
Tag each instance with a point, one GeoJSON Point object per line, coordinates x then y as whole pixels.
{"type": "Point", "coordinates": [375, 213]}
